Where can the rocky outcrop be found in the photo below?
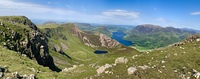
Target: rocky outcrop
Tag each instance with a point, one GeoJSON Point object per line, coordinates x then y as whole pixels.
{"type": "Point", "coordinates": [92, 40]}
{"type": "Point", "coordinates": [103, 68]}
{"type": "Point", "coordinates": [193, 38]}
{"type": "Point", "coordinates": [30, 41]}
{"type": "Point", "coordinates": [107, 41]}
{"type": "Point", "coordinates": [196, 74]}
{"type": "Point", "coordinates": [69, 69]}
{"type": "Point", "coordinates": [121, 60]}
{"type": "Point", "coordinates": [131, 70]}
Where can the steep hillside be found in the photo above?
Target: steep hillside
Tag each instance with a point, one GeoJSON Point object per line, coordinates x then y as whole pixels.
{"type": "Point", "coordinates": [153, 36]}
{"type": "Point", "coordinates": [178, 61]}
{"type": "Point", "coordinates": [13, 65]}
{"type": "Point", "coordinates": [103, 28]}
{"type": "Point", "coordinates": [73, 50]}
{"type": "Point", "coordinates": [18, 33]}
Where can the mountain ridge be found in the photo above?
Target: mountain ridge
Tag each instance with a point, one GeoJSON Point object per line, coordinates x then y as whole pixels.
{"type": "Point", "coordinates": [154, 36]}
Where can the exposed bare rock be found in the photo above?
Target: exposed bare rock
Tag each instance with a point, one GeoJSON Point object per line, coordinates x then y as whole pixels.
{"type": "Point", "coordinates": [32, 76]}
{"type": "Point", "coordinates": [2, 24]}
{"type": "Point", "coordinates": [69, 69]}
{"type": "Point", "coordinates": [103, 68]}
{"type": "Point", "coordinates": [87, 42]}
{"type": "Point", "coordinates": [121, 60]}
{"type": "Point", "coordinates": [92, 40]}
{"type": "Point", "coordinates": [143, 67]}
{"type": "Point", "coordinates": [57, 48]}
{"type": "Point", "coordinates": [196, 74]}
{"type": "Point", "coordinates": [30, 41]}
{"type": "Point", "coordinates": [63, 46]}
{"type": "Point", "coordinates": [1, 74]}
{"type": "Point", "coordinates": [131, 70]}
{"type": "Point", "coordinates": [107, 41]}
{"type": "Point", "coordinates": [193, 38]}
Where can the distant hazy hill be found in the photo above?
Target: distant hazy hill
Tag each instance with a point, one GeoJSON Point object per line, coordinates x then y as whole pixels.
{"type": "Point", "coordinates": [191, 30]}
{"type": "Point", "coordinates": [102, 29]}
{"type": "Point", "coordinates": [84, 26]}
{"type": "Point", "coordinates": [49, 23]}
{"type": "Point", "coordinates": [154, 36]}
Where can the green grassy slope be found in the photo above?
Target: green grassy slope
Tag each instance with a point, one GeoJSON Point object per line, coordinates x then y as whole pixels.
{"type": "Point", "coordinates": [170, 62]}
{"type": "Point", "coordinates": [22, 64]}
{"type": "Point", "coordinates": [102, 29]}
{"type": "Point", "coordinates": [80, 53]}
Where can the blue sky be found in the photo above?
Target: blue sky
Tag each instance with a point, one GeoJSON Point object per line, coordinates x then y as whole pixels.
{"type": "Point", "coordinates": [176, 13]}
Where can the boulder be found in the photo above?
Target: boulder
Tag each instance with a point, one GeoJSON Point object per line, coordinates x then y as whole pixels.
{"type": "Point", "coordinates": [103, 68]}
{"type": "Point", "coordinates": [70, 69]}
{"type": "Point", "coordinates": [2, 24]}
{"type": "Point", "coordinates": [196, 74]}
{"type": "Point", "coordinates": [32, 76]}
{"type": "Point", "coordinates": [121, 60]}
{"type": "Point", "coordinates": [1, 74]}
{"type": "Point", "coordinates": [15, 75]}
{"type": "Point", "coordinates": [131, 70]}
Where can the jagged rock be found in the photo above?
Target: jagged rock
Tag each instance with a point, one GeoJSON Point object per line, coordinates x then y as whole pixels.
{"type": "Point", "coordinates": [5, 69]}
{"type": "Point", "coordinates": [70, 69]}
{"type": "Point", "coordinates": [131, 70]}
{"type": "Point", "coordinates": [121, 60]}
{"type": "Point", "coordinates": [1, 74]}
{"type": "Point", "coordinates": [196, 74]}
{"type": "Point", "coordinates": [2, 24]}
{"type": "Point", "coordinates": [25, 76]}
{"type": "Point", "coordinates": [15, 75]}
{"type": "Point", "coordinates": [56, 48]}
{"type": "Point", "coordinates": [107, 41]}
{"type": "Point", "coordinates": [32, 76]}
{"type": "Point", "coordinates": [63, 46]}
{"type": "Point", "coordinates": [87, 42]}
{"type": "Point", "coordinates": [29, 41]}
{"type": "Point", "coordinates": [103, 68]}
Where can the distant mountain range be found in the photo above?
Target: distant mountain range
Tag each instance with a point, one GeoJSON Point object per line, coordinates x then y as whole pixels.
{"type": "Point", "coordinates": [191, 30]}
{"type": "Point", "coordinates": [154, 36]}
{"type": "Point", "coordinates": [147, 36]}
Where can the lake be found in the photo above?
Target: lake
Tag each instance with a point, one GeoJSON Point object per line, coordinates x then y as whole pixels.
{"type": "Point", "coordinates": [100, 52]}
{"type": "Point", "coordinates": [119, 37]}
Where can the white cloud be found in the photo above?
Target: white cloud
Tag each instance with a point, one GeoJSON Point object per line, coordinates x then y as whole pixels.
{"type": "Point", "coordinates": [121, 13]}
{"type": "Point", "coordinates": [44, 12]}
{"type": "Point", "coordinates": [12, 7]}
{"type": "Point", "coordinates": [195, 13]}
